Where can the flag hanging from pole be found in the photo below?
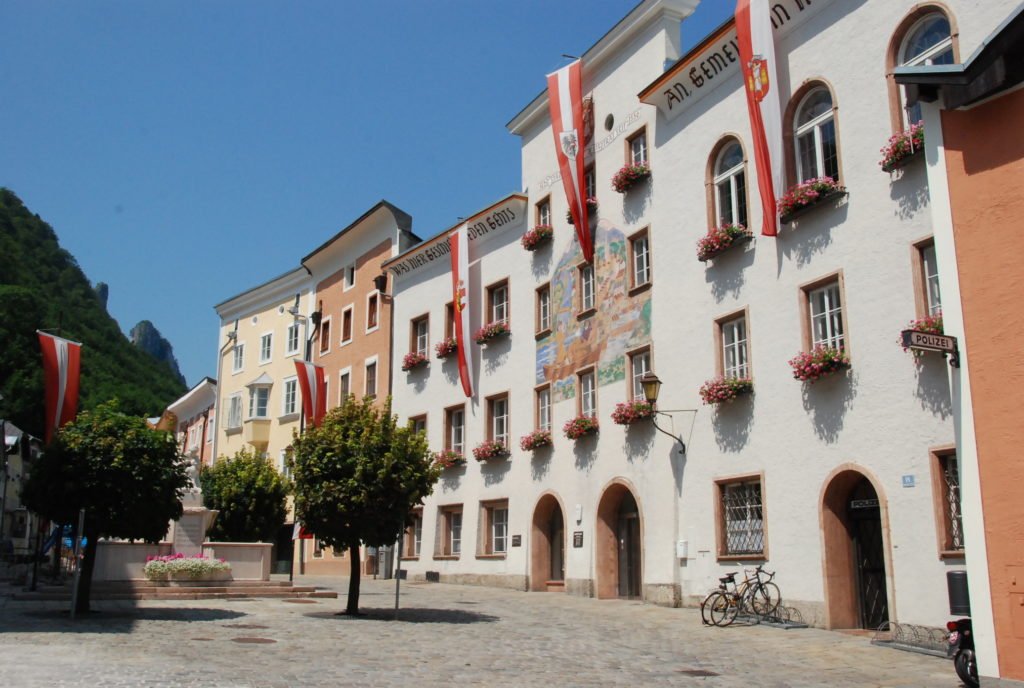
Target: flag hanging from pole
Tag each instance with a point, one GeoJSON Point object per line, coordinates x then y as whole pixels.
{"type": "Point", "coordinates": [300, 533]}
{"type": "Point", "coordinates": [458, 241]}
{"type": "Point", "coordinates": [565, 102]}
{"type": "Point", "coordinates": [314, 391]}
{"type": "Point", "coordinates": [61, 365]}
{"type": "Point", "coordinates": [757, 60]}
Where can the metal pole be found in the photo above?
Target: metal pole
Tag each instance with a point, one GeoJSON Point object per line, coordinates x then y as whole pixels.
{"type": "Point", "coordinates": [3, 495]}
{"type": "Point", "coordinates": [398, 570]}
{"type": "Point", "coordinates": [35, 561]}
{"type": "Point", "coordinates": [78, 561]}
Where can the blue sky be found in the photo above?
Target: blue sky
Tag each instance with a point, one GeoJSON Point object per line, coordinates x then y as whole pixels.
{"type": "Point", "coordinates": [186, 151]}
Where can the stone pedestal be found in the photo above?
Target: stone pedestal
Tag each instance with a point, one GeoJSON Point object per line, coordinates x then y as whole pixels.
{"type": "Point", "coordinates": [189, 531]}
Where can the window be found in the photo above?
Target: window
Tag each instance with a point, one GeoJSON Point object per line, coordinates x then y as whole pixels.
{"type": "Point", "coordinates": [928, 277]}
{"type": "Point", "coordinates": [449, 320]}
{"type": "Point", "coordinates": [638, 148]}
{"type": "Point", "coordinates": [344, 386]}
{"type": "Point", "coordinates": [266, 347]}
{"type": "Point", "coordinates": [497, 413]}
{"type": "Point", "coordinates": [543, 323]}
{"type": "Point", "coordinates": [730, 185]}
{"type": "Point", "coordinates": [325, 335]}
{"type": "Point", "coordinates": [292, 339]}
{"type": "Point", "coordinates": [372, 302]}
{"type": "Point", "coordinates": [586, 275]}
{"type": "Point", "coordinates": [544, 212]}
{"type": "Point", "coordinates": [639, 365]}
{"type": "Point", "coordinates": [640, 259]}
{"type": "Point", "coordinates": [418, 423]}
{"type": "Point", "coordinates": [826, 316]}
{"type": "Point", "coordinates": [454, 423]}
{"type": "Point", "coordinates": [235, 411]}
{"type": "Point", "coordinates": [590, 183]}
{"type": "Point", "coordinates": [420, 335]}
{"type": "Point", "coordinates": [414, 535]}
{"type": "Point", "coordinates": [371, 378]}
{"type": "Point", "coordinates": [946, 490]}
{"type": "Point", "coordinates": [290, 398]}
{"type": "Point", "coordinates": [259, 397]}
{"type": "Point", "coordinates": [286, 463]}
{"type": "Point", "coordinates": [732, 334]}
{"type": "Point", "coordinates": [586, 386]}
{"type": "Point", "coordinates": [346, 325]}
{"type": "Point", "coordinates": [350, 276]}
{"type": "Point", "coordinates": [210, 428]}
{"type": "Point", "coordinates": [449, 537]}
{"type": "Point", "coordinates": [193, 439]}
{"type": "Point", "coordinates": [741, 522]}
{"type": "Point", "coordinates": [928, 42]}
{"type": "Point", "coordinates": [814, 132]}
{"type": "Point", "coordinates": [497, 301]}
{"type": "Point", "coordinates": [542, 409]}
{"type": "Point", "coordinates": [494, 522]}
{"type": "Point", "coordinates": [238, 359]}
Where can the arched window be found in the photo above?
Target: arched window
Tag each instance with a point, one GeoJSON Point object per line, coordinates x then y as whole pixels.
{"type": "Point", "coordinates": [814, 134]}
{"type": "Point", "coordinates": [730, 182]}
{"type": "Point", "coordinates": [929, 41]}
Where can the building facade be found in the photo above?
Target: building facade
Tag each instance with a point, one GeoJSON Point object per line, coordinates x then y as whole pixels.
{"type": "Point", "coordinates": [196, 420]}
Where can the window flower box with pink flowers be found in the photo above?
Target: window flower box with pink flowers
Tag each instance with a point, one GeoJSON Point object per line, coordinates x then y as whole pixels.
{"type": "Point", "coordinates": [580, 427]}
{"type": "Point", "coordinates": [446, 347]}
{"type": "Point", "coordinates": [591, 210]}
{"type": "Point", "coordinates": [492, 331]}
{"type": "Point", "coordinates": [631, 412]}
{"type": "Point", "coordinates": [537, 237]}
{"type": "Point", "coordinates": [722, 390]}
{"type": "Point", "coordinates": [903, 147]}
{"type": "Point", "coordinates": [721, 239]}
{"type": "Point", "coordinates": [537, 439]}
{"type": "Point", "coordinates": [412, 360]}
{"type": "Point", "coordinates": [821, 361]}
{"type": "Point", "coordinates": [448, 459]}
{"type": "Point", "coordinates": [630, 175]}
{"type": "Point", "coordinates": [930, 324]}
{"type": "Point", "coordinates": [490, 449]}
{"type": "Point", "coordinates": [806, 195]}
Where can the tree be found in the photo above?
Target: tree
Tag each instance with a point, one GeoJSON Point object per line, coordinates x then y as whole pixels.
{"type": "Point", "coordinates": [250, 495]}
{"type": "Point", "coordinates": [128, 477]}
{"type": "Point", "coordinates": [357, 478]}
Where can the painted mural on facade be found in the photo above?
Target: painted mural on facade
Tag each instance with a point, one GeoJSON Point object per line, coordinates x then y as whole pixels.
{"type": "Point", "coordinates": [621, 323]}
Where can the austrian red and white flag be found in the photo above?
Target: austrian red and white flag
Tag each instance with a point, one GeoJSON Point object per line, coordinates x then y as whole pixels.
{"type": "Point", "coordinates": [314, 391]}
{"type": "Point", "coordinates": [458, 241]}
{"type": "Point", "coordinates": [565, 101]}
{"type": "Point", "coordinates": [760, 76]}
{"type": "Point", "coordinates": [61, 365]}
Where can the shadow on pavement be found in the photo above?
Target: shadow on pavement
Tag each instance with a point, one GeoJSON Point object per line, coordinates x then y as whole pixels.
{"type": "Point", "coordinates": [104, 621]}
{"type": "Point", "coordinates": [411, 615]}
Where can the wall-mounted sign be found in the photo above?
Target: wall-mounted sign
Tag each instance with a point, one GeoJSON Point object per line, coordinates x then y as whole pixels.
{"type": "Point", "coordinates": [577, 538]}
{"type": "Point", "coordinates": [908, 481]}
{"type": "Point", "coordinates": [863, 503]}
{"type": "Point", "coordinates": [925, 341]}
{"type": "Point", "coordinates": [517, 540]}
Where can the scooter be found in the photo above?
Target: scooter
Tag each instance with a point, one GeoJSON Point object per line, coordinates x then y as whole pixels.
{"type": "Point", "coordinates": [961, 649]}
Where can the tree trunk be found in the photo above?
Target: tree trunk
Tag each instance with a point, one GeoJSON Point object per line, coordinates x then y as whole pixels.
{"type": "Point", "coordinates": [352, 607]}
{"type": "Point", "coordinates": [85, 579]}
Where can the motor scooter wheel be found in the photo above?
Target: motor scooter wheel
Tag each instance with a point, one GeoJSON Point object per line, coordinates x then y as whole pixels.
{"type": "Point", "coordinates": [966, 667]}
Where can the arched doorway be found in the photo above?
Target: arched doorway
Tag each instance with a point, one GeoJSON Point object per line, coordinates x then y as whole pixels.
{"type": "Point", "coordinates": [547, 546]}
{"type": "Point", "coordinates": [619, 544]}
{"type": "Point", "coordinates": [854, 525]}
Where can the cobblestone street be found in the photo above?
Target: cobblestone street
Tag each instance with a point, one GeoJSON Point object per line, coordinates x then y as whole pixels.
{"type": "Point", "coordinates": [447, 635]}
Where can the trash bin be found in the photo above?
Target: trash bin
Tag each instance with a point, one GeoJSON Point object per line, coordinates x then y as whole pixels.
{"type": "Point", "coordinates": [959, 598]}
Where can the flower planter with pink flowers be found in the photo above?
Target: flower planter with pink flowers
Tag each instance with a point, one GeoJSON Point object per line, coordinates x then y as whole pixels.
{"type": "Point", "coordinates": [902, 148]}
{"type": "Point", "coordinates": [446, 347]}
{"type": "Point", "coordinates": [821, 361]}
{"type": "Point", "coordinates": [807, 195]}
{"type": "Point", "coordinates": [413, 360]}
{"type": "Point", "coordinates": [631, 412]}
{"type": "Point", "coordinates": [491, 332]}
{"type": "Point", "coordinates": [718, 240]}
{"type": "Point", "coordinates": [580, 427]}
{"type": "Point", "coordinates": [448, 459]}
{"type": "Point", "coordinates": [930, 324]}
{"type": "Point", "coordinates": [537, 237]}
{"type": "Point", "coordinates": [591, 210]}
{"type": "Point", "coordinates": [538, 439]}
{"type": "Point", "coordinates": [490, 449]}
{"type": "Point", "coordinates": [630, 175]}
{"type": "Point", "coordinates": [722, 390]}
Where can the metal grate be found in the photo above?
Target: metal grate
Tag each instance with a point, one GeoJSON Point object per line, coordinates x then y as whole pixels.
{"type": "Point", "coordinates": [744, 522]}
{"type": "Point", "coordinates": [954, 521]}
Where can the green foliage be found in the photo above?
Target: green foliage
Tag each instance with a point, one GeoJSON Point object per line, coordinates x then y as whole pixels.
{"type": "Point", "coordinates": [127, 476]}
{"type": "Point", "coordinates": [250, 495]}
{"type": "Point", "coordinates": [41, 286]}
{"type": "Point", "coordinates": [358, 475]}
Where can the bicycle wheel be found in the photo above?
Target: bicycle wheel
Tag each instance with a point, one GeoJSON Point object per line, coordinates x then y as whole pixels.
{"type": "Point", "coordinates": [765, 598]}
{"type": "Point", "coordinates": [721, 608]}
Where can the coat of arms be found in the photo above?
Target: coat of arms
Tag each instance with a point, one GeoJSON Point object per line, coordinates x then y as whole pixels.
{"type": "Point", "coordinates": [570, 144]}
{"type": "Point", "coordinates": [757, 77]}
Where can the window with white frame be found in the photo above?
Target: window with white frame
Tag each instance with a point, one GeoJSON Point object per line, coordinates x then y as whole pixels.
{"type": "Point", "coordinates": [238, 358]}
{"type": "Point", "coordinates": [285, 463]}
{"type": "Point", "coordinates": [421, 334]}
{"type": "Point", "coordinates": [325, 335]}
{"type": "Point", "coordinates": [346, 325]}
{"type": "Point", "coordinates": [544, 212]}
{"type": "Point", "coordinates": [494, 522]}
{"type": "Point", "coordinates": [266, 347]}
{"type": "Point", "coordinates": [211, 427]}
{"type": "Point", "coordinates": [497, 301]}
{"type": "Point", "coordinates": [639, 365]}
{"type": "Point", "coordinates": [259, 400]}
{"type": "Point", "coordinates": [344, 386]}
{"type": "Point", "coordinates": [930, 280]}
{"type": "Point", "coordinates": [742, 523]}
{"type": "Point", "coordinates": [730, 183]}
{"type": "Point", "coordinates": [814, 134]}
{"type": "Point", "coordinates": [638, 148]}
{"type": "Point", "coordinates": [640, 259]}
{"type": "Point", "coordinates": [290, 397]}
{"type": "Point", "coordinates": [371, 378]}
{"type": "Point", "coordinates": [587, 386]}
{"type": "Point", "coordinates": [544, 308]}
{"type": "Point", "coordinates": [350, 276]}
{"type": "Point", "coordinates": [418, 423]}
{"type": "Point", "coordinates": [543, 408]}
{"type": "Point", "coordinates": [372, 311]}
{"type": "Point", "coordinates": [235, 411]}
{"type": "Point", "coordinates": [590, 182]}
{"type": "Point", "coordinates": [454, 420]}
{"type": "Point", "coordinates": [928, 42]}
{"type": "Point", "coordinates": [586, 275]}
{"type": "Point", "coordinates": [498, 413]}
{"type": "Point", "coordinates": [826, 310]}
{"type": "Point", "coordinates": [453, 521]}
{"type": "Point", "coordinates": [414, 535]}
{"type": "Point", "coordinates": [292, 339]}
{"type": "Point", "coordinates": [734, 348]}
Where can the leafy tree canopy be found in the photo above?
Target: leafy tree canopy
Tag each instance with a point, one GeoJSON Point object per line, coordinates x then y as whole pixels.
{"type": "Point", "coordinates": [250, 495]}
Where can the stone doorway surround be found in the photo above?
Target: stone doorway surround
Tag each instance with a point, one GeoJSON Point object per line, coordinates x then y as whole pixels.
{"type": "Point", "coordinates": [606, 545]}
{"type": "Point", "coordinates": [540, 544]}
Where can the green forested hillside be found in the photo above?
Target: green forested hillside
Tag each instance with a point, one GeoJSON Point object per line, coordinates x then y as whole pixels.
{"type": "Point", "coordinates": [41, 285]}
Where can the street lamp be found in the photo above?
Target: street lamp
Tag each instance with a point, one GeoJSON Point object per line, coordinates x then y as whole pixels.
{"type": "Point", "coordinates": [652, 387]}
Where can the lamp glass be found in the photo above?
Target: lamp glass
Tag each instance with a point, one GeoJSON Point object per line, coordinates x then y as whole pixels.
{"type": "Point", "coordinates": [651, 385]}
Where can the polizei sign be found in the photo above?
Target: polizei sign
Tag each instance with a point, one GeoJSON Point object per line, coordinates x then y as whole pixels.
{"type": "Point", "coordinates": [926, 341]}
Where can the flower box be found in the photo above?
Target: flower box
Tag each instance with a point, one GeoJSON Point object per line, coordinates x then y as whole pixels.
{"type": "Point", "coordinates": [721, 239]}
{"type": "Point", "coordinates": [535, 440]}
{"type": "Point", "coordinates": [630, 175]}
{"type": "Point", "coordinates": [807, 195]}
{"type": "Point", "coordinates": [930, 324]}
{"type": "Point", "coordinates": [632, 412]}
{"type": "Point", "coordinates": [490, 449]}
{"type": "Point", "coordinates": [721, 390]}
{"type": "Point", "coordinates": [578, 427]}
{"type": "Point", "coordinates": [178, 567]}
{"type": "Point", "coordinates": [413, 359]}
{"type": "Point", "coordinates": [809, 366]}
{"type": "Point", "coordinates": [446, 347]}
{"type": "Point", "coordinates": [448, 459]}
{"type": "Point", "coordinates": [591, 210]}
{"type": "Point", "coordinates": [902, 148]}
{"type": "Point", "coordinates": [491, 331]}
{"type": "Point", "coordinates": [537, 237]}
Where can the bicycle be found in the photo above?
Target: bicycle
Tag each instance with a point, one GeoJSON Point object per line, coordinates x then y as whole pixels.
{"type": "Point", "coordinates": [757, 594]}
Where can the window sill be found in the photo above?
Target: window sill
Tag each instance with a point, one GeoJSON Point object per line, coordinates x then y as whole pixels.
{"type": "Point", "coordinates": [371, 330]}
{"type": "Point", "coordinates": [640, 288]}
{"type": "Point", "coordinates": [266, 362]}
{"type": "Point", "coordinates": [414, 558]}
{"type": "Point", "coordinates": [446, 557]}
{"type": "Point", "coordinates": [583, 315]}
{"type": "Point", "coordinates": [546, 332]}
{"type": "Point", "coordinates": [491, 556]}
{"type": "Point", "coordinates": [951, 554]}
{"type": "Point", "coordinates": [288, 418]}
{"type": "Point", "coordinates": [233, 431]}
{"type": "Point", "coordinates": [742, 557]}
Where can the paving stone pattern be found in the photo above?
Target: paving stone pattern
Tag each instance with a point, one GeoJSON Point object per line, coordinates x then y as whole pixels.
{"type": "Point", "coordinates": [447, 635]}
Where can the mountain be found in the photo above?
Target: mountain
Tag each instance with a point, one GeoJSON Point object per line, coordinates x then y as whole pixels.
{"type": "Point", "coordinates": [145, 336]}
{"type": "Point", "coordinates": [42, 287]}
